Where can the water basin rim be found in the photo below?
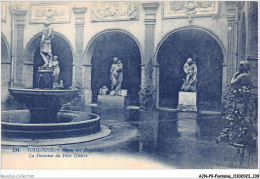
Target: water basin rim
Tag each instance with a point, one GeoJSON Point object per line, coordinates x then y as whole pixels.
{"type": "Point", "coordinates": [42, 90]}
{"type": "Point", "coordinates": [53, 124]}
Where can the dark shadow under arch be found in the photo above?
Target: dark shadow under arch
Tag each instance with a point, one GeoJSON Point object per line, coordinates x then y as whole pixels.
{"type": "Point", "coordinates": [115, 44]}
{"type": "Point", "coordinates": [171, 56]}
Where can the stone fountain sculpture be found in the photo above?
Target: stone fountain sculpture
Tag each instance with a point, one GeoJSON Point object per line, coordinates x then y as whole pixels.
{"type": "Point", "coordinates": [44, 103]}
{"type": "Point", "coordinates": [188, 93]}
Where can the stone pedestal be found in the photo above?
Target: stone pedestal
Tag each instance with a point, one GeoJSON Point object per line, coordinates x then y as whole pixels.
{"type": "Point", "coordinates": [187, 101]}
{"type": "Point", "coordinates": [107, 101]}
{"type": "Point", "coordinates": [44, 79]}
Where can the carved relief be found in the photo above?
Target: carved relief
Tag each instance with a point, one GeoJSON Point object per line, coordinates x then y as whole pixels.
{"type": "Point", "coordinates": [113, 11]}
{"type": "Point", "coordinates": [17, 5]}
{"type": "Point", "coordinates": [186, 8]}
{"type": "Point", "coordinates": [51, 13]}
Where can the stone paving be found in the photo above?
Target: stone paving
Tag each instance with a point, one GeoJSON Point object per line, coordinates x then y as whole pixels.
{"type": "Point", "coordinates": [177, 140]}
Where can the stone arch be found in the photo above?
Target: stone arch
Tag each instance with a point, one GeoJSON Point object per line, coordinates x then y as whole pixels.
{"type": "Point", "coordinates": [88, 47]}
{"type": "Point", "coordinates": [179, 34]}
{"type": "Point", "coordinates": [61, 47]}
{"type": "Point", "coordinates": [32, 43]}
{"type": "Point", "coordinates": [90, 66]}
{"type": "Point", "coordinates": [212, 34]}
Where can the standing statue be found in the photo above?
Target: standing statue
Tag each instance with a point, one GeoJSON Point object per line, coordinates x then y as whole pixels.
{"type": "Point", "coordinates": [190, 68]}
{"type": "Point", "coordinates": [45, 45]}
{"type": "Point", "coordinates": [56, 71]}
{"type": "Point", "coordinates": [241, 77]}
{"type": "Point", "coordinates": [116, 76]}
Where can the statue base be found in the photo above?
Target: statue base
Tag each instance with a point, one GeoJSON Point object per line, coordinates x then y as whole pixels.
{"type": "Point", "coordinates": [44, 79]}
{"type": "Point", "coordinates": [187, 101]}
{"type": "Point", "coordinates": [108, 101]}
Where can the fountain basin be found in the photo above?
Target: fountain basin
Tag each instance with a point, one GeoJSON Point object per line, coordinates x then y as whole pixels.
{"type": "Point", "coordinates": [16, 124]}
{"type": "Point", "coordinates": [43, 104]}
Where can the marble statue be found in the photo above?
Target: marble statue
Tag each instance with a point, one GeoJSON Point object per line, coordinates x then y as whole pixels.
{"type": "Point", "coordinates": [56, 70]}
{"type": "Point", "coordinates": [241, 77]}
{"type": "Point", "coordinates": [190, 68]}
{"type": "Point", "coordinates": [116, 76]}
{"type": "Point", "coordinates": [45, 45]}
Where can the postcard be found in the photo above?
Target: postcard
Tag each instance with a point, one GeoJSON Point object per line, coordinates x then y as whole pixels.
{"type": "Point", "coordinates": [129, 85]}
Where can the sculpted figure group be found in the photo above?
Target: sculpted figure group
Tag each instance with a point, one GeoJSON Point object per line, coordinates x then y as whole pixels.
{"type": "Point", "coordinates": [116, 76]}
{"type": "Point", "coordinates": [50, 62]}
{"type": "Point", "coordinates": [190, 68]}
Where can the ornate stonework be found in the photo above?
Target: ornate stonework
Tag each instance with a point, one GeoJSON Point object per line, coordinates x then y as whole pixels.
{"type": "Point", "coordinates": [177, 9]}
{"type": "Point", "coordinates": [52, 13]}
{"type": "Point", "coordinates": [114, 11]}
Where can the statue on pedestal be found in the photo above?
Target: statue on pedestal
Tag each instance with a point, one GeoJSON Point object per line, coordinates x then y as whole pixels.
{"type": "Point", "coordinates": [116, 76]}
{"type": "Point", "coordinates": [56, 70]}
{"type": "Point", "coordinates": [190, 68]}
{"type": "Point", "coordinates": [45, 45]}
{"type": "Point", "coordinates": [241, 77]}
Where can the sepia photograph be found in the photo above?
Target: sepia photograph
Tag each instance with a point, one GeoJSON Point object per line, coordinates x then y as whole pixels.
{"type": "Point", "coordinates": [129, 85]}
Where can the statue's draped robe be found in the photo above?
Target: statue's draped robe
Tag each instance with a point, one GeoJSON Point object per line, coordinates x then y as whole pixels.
{"type": "Point", "coordinates": [46, 41]}
{"type": "Point", "coordinates": [116, 77]}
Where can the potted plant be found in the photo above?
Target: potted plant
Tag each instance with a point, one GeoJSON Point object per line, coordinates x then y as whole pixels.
{"type": "Point", "coordinates": [147, 91]}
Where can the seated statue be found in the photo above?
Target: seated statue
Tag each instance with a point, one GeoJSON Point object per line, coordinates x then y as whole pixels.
{"type": "Point", "coordinates": [190, 68]}
{"type": "Point", "coordinates": [241, 77]}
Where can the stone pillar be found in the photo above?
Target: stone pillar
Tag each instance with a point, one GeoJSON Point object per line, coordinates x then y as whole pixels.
{"type": "Point", "coordinates": [18, 40]}
{"type": "Point", "coordinates": [150, 19]}
{"type": "Point", "coordinates": [232, 41]}
{"type": "Point", "coordinates": [79, 38]}
{"type": "Point", "coordinates": [87, 76]}
{"type": "Point", "coordinates": [252, 53]}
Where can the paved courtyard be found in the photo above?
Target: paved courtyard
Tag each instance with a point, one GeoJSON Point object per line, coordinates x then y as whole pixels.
{"type": "Point", "coordinates": [182, 140]}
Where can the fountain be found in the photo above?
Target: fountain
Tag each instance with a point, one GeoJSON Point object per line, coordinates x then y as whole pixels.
{"type": "Point", "coordinates": [45, 119]}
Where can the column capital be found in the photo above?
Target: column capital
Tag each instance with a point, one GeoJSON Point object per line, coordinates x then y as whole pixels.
{"type": "Point", "coordinates": [19, 12]}
{"type": "Point", "coordinates": [79, 10]}
{"type": "Point", "coordinates": [150, 12]}
{"type": "Point", "coordinates": [150, 6]}
{"type": "Point", "coordinates": [231, 15]}
{"type": "Point", "coordinates": [19, 17]}
{"type": "Point", "coordinates": [79, 16]}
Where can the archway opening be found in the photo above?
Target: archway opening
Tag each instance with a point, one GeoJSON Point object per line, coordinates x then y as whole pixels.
{"type": "Point", "coordinates": [60, 48]}
{"type": "Point", "coordinates": [116, 44]}
{"type": "Point", "coordinates": [206, 52]}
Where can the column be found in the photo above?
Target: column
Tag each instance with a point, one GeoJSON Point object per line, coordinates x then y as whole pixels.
{"type": "Point", "coordinates": [18, 39]}
{"type": "Point", "coordinates": [150, 19]}
{"type": "Point", "coordinates": [87, 76]}
{"type": "Point", "coordinates": [232, 41]}
{"type": "Point", "coordinates": [79, 39]}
